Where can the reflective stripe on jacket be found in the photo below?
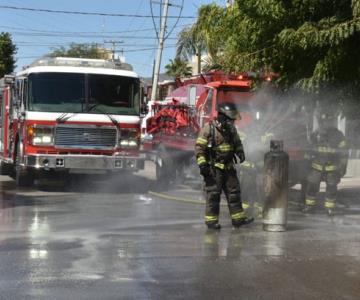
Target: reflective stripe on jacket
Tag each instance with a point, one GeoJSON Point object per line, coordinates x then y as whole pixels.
{"type": "Point", "coordinates": [220, 149]}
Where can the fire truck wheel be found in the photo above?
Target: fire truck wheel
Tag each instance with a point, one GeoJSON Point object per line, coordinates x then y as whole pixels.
{"type": "Point", "coordinates": [5, 169]}
{"type": "Point", "coordinates": [165, 171]}
{"type": "Point", "coordinates": [23, 177]}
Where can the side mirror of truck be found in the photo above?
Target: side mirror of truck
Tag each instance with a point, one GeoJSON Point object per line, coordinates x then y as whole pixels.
{"type": "Point", "coordinates": [144, 108]}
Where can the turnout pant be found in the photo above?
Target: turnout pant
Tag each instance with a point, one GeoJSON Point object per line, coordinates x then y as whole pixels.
{"type": "Point", "coordinates": [313, 185]}
{"type": "Point", "coordinates": [227, 181]}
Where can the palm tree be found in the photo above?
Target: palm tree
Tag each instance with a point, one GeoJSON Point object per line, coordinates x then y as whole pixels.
{"type": "Point", "coordinates": [178, 68]}
{"type": "Point", "coordinates": [206, 35]}
{"type": "Point", "coordinates": [190, 43]}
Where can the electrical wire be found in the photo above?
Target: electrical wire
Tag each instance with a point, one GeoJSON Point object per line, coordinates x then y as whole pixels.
{"type": "Point", "coordinates": [126, 51]}
{"type": "Point", "coordinates": [153, 20]}
{"type": "Point", "coordinates": [88, 13]}
{"type": "Point", "coordinates": [177, 20]}
{"type": "Point", "coordinates": [85, 36]}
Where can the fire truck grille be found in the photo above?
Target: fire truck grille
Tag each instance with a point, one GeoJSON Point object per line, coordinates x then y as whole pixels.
{"type": "Point", "coordinates": [85, 137]}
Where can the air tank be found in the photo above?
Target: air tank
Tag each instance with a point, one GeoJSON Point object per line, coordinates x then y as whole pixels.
{"type": "Point", "coordinates": [276, 173]}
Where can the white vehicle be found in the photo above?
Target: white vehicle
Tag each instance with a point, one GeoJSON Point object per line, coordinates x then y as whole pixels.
{"type": "Point", "coordinates": [70, 115]}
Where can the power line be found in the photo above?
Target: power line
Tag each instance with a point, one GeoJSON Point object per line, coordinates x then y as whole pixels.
{"type": "Point", "coordinates": [89, 13]}
{"type": "Point", "coordinates": [146, 49]}
{"type": "Point", "coordinates": [75, 32]}
{"type": "Point", "coordinates": [84, 36]}
{"type": "Point", "coordinates": [70, 43]}
{"type": "Point", "coordinates": [32, 44]}
{"type": "Point", "coordinates": [125, 51]}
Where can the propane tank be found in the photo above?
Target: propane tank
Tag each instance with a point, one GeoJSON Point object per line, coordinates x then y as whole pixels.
{"type": "Point", "coordinates": [276, 171]}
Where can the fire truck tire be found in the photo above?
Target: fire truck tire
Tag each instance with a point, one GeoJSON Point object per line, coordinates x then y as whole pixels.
{"type": "Point", "coordinates": [165, 172]}
{"type": "Point", "coordinates": [5, 169]}
{"type": "Point", "coordinates": [23, 177]}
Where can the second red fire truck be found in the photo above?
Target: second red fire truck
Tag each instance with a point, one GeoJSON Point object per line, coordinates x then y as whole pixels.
{"type": "Point", "coordinates": [173, 124]}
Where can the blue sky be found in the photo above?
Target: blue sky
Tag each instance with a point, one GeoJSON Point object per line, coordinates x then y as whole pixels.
{"type": "Point", "coordinates": [38, 33]}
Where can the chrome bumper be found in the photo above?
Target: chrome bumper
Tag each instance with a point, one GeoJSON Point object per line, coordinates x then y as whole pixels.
{"type": "Point", "coordinates": [83, 162]}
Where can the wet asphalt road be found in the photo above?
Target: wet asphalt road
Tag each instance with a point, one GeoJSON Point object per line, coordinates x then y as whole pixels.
{"type": "Point", "coordinates": [115, 241]}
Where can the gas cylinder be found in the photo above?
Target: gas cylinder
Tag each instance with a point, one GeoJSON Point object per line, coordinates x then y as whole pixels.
{"type": "Point", "coordinates": [276, 173]}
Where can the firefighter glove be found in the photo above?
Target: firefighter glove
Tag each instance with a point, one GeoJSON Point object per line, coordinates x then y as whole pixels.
{"type": "Point", "coordinates": [241, 156]}
{"type": "Point", "coordinates": [205, 170]}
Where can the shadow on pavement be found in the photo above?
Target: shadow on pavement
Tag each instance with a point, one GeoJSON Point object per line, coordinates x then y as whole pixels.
{"type": "Point", "coordinates": [115, 184]}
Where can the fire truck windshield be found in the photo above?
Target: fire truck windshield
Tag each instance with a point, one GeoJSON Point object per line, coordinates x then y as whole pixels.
{"type": "Point", "coordinates": [248, 103]}
{"type": "Point", "coordinates": [234, 95]}
{"type": "Point", "coordinates": [78, 92]}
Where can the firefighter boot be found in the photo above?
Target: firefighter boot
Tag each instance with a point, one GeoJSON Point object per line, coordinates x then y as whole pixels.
{"type": "Point", "coordinates": [238, 219]}
{"type": "Point", "coordinates": [309, 205]}
{"type": "Point", "coordinates": [330, 212]}
{"type": "Point", "coordinates": [244, 221]}
{"type": "Point", "coordinates": [245, 205]}
{"type": "Point", "coordinates": [330, 207]}
{"type": "Point", "coordinates": [214, 226]}
{"type": "Point", "coordinates": [258, 209]}
{"type": "Point", "coordinates": [308, 209]}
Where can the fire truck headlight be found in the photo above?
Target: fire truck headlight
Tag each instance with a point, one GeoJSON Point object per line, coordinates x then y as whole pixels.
{"type": "Point", "coordinates": [129, 143]}
{"type": "Point", "coordinates": [41, 135]}
{"type": "Point", "coordinates": [46, 139]}
{"type": "Point", "coordinates": [133, 143]}
{"type": "Point", "coordinates": [129, 138]}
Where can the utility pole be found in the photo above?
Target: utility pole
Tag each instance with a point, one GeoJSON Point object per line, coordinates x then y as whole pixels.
{"type": "Point", "coordinates": [159, 50]}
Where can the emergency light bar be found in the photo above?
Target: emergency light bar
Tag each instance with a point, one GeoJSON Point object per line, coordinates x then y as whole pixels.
{"type": "Point", "coordinates": [81, 62]}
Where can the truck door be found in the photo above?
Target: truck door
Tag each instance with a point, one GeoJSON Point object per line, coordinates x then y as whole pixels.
{"type": "Point", "coordinates": [1, 123]}
{"type": "Point", "coordinates": [4, 123]}
{"type": "Point", "coordinates": [206, 108]}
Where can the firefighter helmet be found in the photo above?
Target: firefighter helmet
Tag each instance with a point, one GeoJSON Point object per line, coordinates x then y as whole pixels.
{"type": "Point", "coordinates": [229, 110]}
{"type": "Point", "coordinates": [326, 118]}
{"type": "Point", "coordinates": [326, 113]}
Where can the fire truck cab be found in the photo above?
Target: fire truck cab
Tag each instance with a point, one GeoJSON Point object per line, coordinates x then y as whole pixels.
{"type": "Point", "coordinates": [70, 115]}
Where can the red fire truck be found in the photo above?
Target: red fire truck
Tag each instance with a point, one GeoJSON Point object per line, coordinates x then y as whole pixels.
{"type": "Point", "coordinates": [70, 115]}
{"type": "Point", "coordinates": [175, 122]}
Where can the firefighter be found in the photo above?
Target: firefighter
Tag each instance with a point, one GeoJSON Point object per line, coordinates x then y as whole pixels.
{"type": "Point", "coordinates": [215, 149]}
{"type": "Point", "coordinates": [328, 156]}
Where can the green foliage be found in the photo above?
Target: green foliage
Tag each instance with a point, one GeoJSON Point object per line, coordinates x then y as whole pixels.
{"type": "Point", "coordinates": [189, 43]}
{"type": "Point", "coordinates": [178, 68]}
{"type": "Point", "coordinates": [311, 44]}
{"type": "Point", "coordinates": [81, 51]}
{"type": "Point", "coordinates": [7, 53]}
{"type": "Point", "coordinates": [355, 8]}
{"type": "Point", "coordinates": [211, 24]}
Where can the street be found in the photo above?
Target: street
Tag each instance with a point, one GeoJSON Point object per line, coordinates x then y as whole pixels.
{"type": "Point", "coordinates": [106, 240]}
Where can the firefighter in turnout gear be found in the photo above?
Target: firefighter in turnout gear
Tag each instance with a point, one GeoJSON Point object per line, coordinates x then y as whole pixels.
{"type": "Point", "coordinates": [328, 156]}
{"type": "Point", "coordinates": [216, 146]}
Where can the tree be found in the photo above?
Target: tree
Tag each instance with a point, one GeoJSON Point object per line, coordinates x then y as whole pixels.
{"type": "Point", "coordinates": [178, 68]}
{"type": "Point", "coordinates": [7, 53]}
{"type": "Point", "coordinates": [81, 51]}
{"type": "Point", "coordinates": [211, 25]}
{"type": "Point", "coordinates": [204, 36]}
{"type": "Point", "coordinates": [190, 43]}
{"type": "Point", "coordinates": [311, 44]}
